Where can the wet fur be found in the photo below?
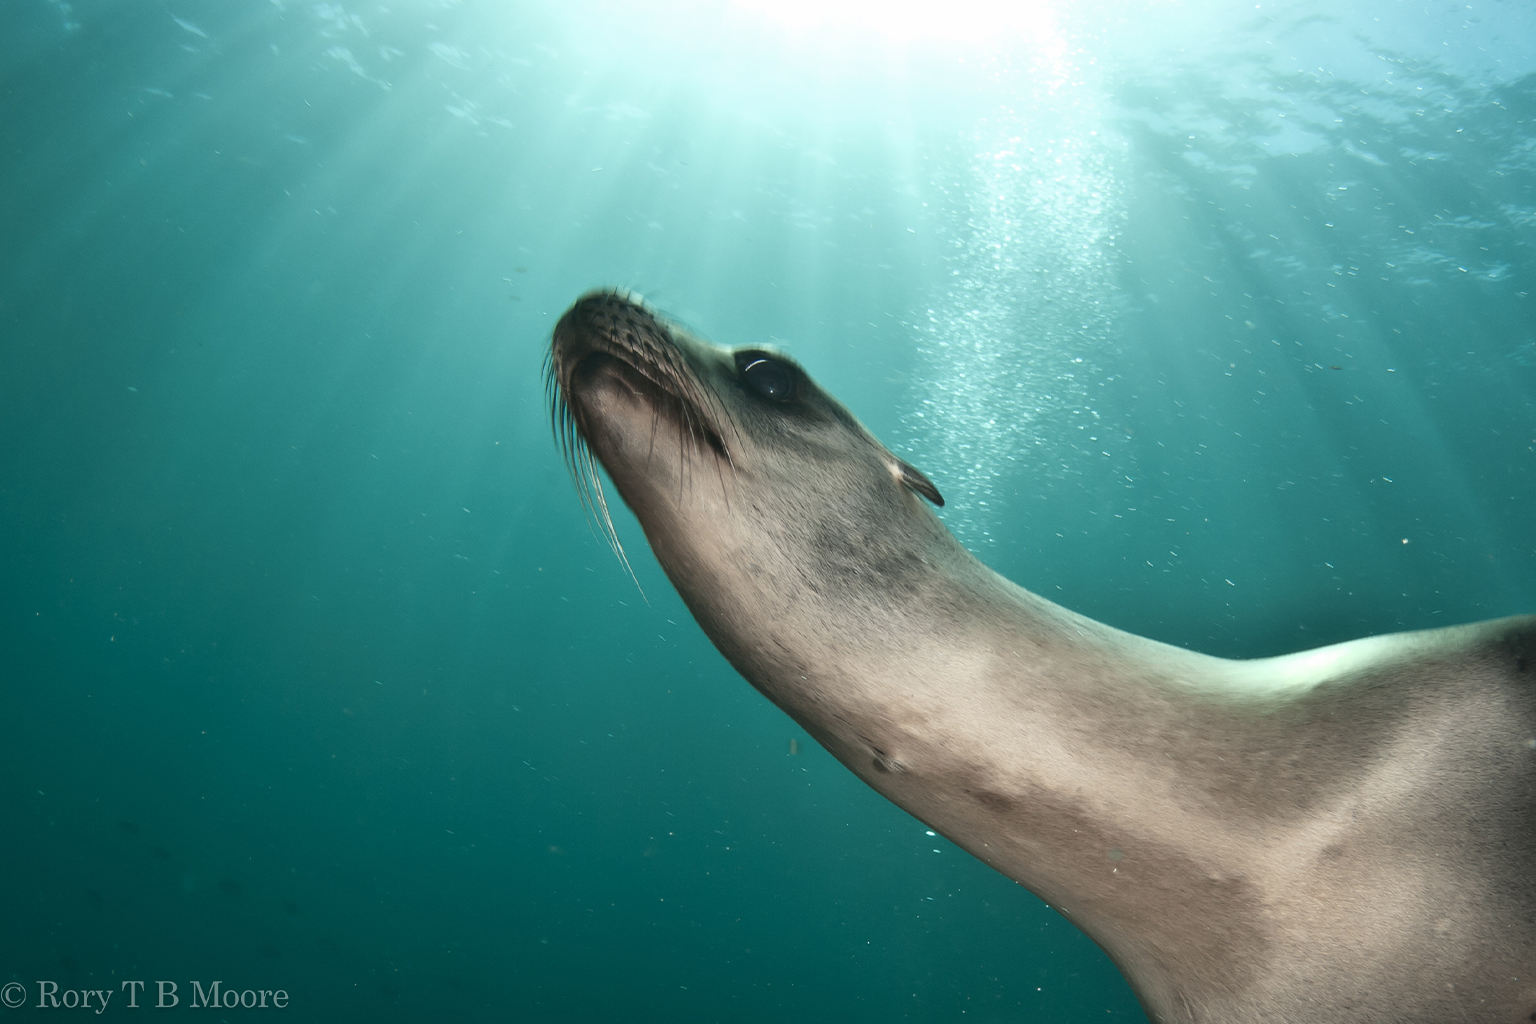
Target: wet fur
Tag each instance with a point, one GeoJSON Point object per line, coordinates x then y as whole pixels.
{"type": "Point", "coordinates": [1344, 834]}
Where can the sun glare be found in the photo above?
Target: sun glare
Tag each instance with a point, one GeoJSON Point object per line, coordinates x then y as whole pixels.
{"type": "Point", "coordinates": [906, 21]}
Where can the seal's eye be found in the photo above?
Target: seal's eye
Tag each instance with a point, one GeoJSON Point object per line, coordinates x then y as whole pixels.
{"type": "Point", "coordinates": [771, 378]}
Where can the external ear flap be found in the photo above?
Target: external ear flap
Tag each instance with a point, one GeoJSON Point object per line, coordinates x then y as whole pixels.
{"type": "Point", "coordinates": [914, 478]}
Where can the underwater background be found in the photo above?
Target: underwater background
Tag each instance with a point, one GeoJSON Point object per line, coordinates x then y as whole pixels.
{"type": "Point", "coordinates": [1212, 320]}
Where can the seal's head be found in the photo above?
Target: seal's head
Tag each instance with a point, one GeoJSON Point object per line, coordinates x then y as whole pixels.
{"type": "Point", "coordinates": [759, 492]}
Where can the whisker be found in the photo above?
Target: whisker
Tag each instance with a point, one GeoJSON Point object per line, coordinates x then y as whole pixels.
{"type": "Point", "coordinates": [582, 465]}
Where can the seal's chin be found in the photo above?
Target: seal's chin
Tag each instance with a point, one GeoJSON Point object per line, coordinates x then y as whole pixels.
{"type": "Point", "coordinates": [602, 386]}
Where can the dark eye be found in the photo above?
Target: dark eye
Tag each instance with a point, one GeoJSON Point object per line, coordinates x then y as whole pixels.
{"type": "Point", "coordinates": [773, 379]}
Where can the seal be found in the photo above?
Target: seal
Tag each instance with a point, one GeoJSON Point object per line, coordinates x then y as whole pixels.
{"type": "Point", "coordinates": [1346, 834]}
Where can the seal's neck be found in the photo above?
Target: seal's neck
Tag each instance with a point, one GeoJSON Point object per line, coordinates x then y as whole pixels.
{"type": "Point", "coordinates": [1042, 742]}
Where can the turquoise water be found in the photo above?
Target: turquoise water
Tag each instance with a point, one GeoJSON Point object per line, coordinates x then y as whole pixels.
{"type": "Point", "coordinates": [1212, 321]}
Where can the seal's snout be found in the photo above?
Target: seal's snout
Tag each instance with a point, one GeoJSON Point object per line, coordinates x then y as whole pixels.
{"type": "Point", "coordinates": [609, 343]}
{"type": "Point", "coordinates": [594, 315]}
{"type": "Point", "coordinates": [612, 336]}
{"type": "Point", "coordinates": [621, 388]}
{"type": "Point", "coordinates": [611, 323]}
{"type": "Point", "coordinates": [606, 339]}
